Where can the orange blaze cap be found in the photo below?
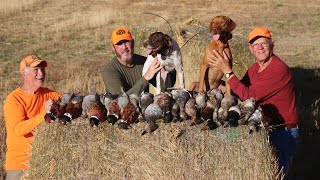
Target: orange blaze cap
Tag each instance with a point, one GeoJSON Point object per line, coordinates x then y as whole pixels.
{"type": "Point", "coordinates": [120, 34]}
{"type": "Point", "coordinates": [259, 32]}
{"type": "Point", "coordinates": [32, 61]}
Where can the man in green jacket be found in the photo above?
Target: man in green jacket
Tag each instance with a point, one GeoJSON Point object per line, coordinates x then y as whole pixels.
{"type": "Point", "coordinates": [125, 69]}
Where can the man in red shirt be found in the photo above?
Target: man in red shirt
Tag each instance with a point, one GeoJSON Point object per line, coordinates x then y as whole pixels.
{"type": "Point", "coordinates": [270, 81]}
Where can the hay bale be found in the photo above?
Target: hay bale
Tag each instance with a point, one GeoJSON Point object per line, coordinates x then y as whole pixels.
{"type": "Point", "coordinates": [174, 151]}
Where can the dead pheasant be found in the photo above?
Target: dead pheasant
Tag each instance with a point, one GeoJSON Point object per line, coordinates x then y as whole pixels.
{"type": "Point", "coordinates": [93, 108]}
{"type": "Point", "coordinates": [97, 113]}
{"type": "Point", "coordinates": [73, 110]}
{"type": "Point", "coordinates": [58, 108]}
{"type": "Point", "coordinates": [57, 111]}
{"type": "Point", "coordinates": [113, 110]}
{"type": "Point", "coordinates": [165, 102]}
{"type": "Point", "coordinates": [128, 108]}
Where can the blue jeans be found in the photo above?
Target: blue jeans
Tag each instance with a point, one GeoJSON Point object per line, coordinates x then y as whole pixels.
{"type": "Point", "coordinates": [285, 144]}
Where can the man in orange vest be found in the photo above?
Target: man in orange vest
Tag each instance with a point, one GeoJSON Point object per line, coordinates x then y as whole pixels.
{"type": "Point", "coordinates": [24, 111]}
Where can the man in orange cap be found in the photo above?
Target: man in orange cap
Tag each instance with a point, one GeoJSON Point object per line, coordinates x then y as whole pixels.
{"type": "Point", "coordinates": [125, 69]}
{"type": "Point", "coordinates": [270, 81]}
{"type": "Point", "coordinates": [24, 110]}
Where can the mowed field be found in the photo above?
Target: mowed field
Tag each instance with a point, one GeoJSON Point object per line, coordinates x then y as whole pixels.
{"type": "Point", "coordinates": [74, 36]}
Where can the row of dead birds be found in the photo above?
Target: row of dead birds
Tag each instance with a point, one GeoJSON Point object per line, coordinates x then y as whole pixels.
{"type": "Point", "coordinates": [212, 109]}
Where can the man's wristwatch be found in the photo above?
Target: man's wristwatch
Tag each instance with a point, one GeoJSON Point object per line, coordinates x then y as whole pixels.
{"type": "Point", "coordinates": [228, 74]}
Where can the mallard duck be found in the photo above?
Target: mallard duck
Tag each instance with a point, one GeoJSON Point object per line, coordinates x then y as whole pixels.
{"type": "Point", "coordinates": [152, 113]}
{"type": "Point", "coordinates": [255, 120]}
{"type": "Point", "coordinates": [247, 107]}
{"type": "Point", "coordinates": [180, 96]}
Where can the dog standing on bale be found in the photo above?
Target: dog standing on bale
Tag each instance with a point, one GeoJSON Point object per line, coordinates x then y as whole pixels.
{"type": "Point", "coordinates": [210, 77]}
{"type": "Point", "coordinates": [162, 47]}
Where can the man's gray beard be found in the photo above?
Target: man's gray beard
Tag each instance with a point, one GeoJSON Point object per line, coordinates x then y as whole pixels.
{"type": "Point", "coordinates": [124, 59]}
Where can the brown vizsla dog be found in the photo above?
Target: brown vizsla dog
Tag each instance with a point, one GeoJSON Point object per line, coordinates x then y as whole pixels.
{"type": "Point", "coordinates": [220, 28]}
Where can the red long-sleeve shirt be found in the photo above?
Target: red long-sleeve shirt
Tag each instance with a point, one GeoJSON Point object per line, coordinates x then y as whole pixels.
{"type": "Point", "coordinates": [273, 89]}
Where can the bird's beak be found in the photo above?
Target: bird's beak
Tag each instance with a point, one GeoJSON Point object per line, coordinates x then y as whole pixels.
{"type": "Point", "coordinates": [158, 121]}
{"type": "Point", "coordinates": [205, 127]}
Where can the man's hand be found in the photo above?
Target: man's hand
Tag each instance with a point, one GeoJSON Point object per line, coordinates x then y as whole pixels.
{"type": "Point", "coordinates": [153, 69]}
{"type": "Point", "coordinates": [48, 105]}
{"type": "Point", "coordinates": [215, 59]}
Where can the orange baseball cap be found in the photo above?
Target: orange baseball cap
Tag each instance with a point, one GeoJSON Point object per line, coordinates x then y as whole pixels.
{"type": "Point", "coordinates": [120, 34]}
{"type": "Point", "coordinates": [259, 32]}
{"type": "Point", "coordinates": [32, 61]}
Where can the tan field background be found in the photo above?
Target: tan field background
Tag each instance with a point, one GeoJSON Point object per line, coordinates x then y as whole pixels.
{"type": "Point", "coordinates": [74, 36]}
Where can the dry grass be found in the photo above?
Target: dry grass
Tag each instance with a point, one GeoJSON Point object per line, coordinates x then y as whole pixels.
{"type": "Point", "coordinates": [174, 151]}
{"type": "Point", "coordinates": [74, 36]}
{"type": "Point", "coordinates": [8, 7]}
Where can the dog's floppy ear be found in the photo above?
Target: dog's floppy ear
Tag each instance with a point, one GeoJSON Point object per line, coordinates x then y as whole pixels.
{"type": "Point", "coordinates": [231, 25]}
{"type": "Point", "coordinates": [222, 23]}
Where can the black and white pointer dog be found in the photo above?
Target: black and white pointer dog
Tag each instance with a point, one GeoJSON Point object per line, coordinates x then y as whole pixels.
{"type": "Point", "coordinates": [167, 51]}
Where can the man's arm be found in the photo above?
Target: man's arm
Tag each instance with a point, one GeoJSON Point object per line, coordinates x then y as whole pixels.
{"type": "Point", "coordinates": [16, 120]}
{"type": "Point", "coordinates": [113, 81]}
{"type": "Point", "coordinates": [266, 87]}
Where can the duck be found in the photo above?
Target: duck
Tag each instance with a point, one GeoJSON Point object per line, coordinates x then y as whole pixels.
{"type": "Point", "coordinates": [247, 107]}
{"type": "Point", "coordinates": [152, 113]}
{"type": "Point", "coordinates": [145, 99]}
{"type": "Point", "coordinates": [210, 124]}
{"type": "Point", "coordinates": [180, 96]}
{"type": "Point", "coordinates": [150, 127]}
{"type": "Point", "coordinates": [193, 111]}
{"type": "Point", "coordinates": [226, 103]}
{"type": "Point", "coordinates": [255, 120]}
{"type": "Point", "coordinates": [234, 114]}
{"type": "Point", "coordinates": [215, 97]}
{"type": "Point", "coordinates": [201, 100]}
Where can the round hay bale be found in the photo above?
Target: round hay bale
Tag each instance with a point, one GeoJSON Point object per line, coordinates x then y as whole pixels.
{"type": "Point", "coordinates": [174, 151]}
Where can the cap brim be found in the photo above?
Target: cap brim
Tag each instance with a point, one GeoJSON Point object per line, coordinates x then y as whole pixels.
{"type": "Point", "coordinates": [44, 62]}
{"type": "Point", "coordinates": [37, 64]}
{"type": "Point", "coordinates": [122, 39]}
{"type": "Point", "coordinates": [255, 38]}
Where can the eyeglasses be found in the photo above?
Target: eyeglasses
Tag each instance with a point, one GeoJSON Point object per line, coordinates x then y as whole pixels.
{"type": "Point", "coordinates": [263, 44]}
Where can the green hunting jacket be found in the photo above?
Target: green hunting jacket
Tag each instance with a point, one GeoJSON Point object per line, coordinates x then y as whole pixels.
{"type": "Point", "coordinates": [116, 75]}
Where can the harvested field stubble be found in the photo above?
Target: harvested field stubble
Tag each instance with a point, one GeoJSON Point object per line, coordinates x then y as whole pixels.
{"type": "Point", "coordinates": [174, 151]}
